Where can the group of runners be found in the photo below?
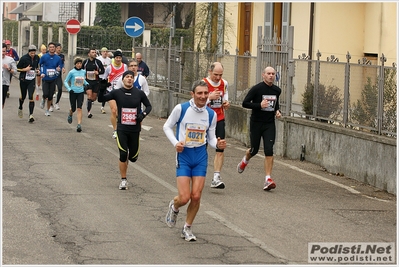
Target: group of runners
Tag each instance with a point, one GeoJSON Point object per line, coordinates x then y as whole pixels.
{"type": "Point", "coordinates": [191, 126]}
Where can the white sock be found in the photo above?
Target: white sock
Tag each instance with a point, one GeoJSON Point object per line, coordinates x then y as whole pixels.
{"type": "Point", "coordinates": [267, 177]}
{"type": "Point", "coordinates": [215, 174]}
{"type": "Point", "coordinates": [174, 209]}
{"type": "Point", "coordinates": [244, 159]}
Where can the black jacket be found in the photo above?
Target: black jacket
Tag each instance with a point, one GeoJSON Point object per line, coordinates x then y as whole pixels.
{"type": "Point", "coordinates": [25, 61]}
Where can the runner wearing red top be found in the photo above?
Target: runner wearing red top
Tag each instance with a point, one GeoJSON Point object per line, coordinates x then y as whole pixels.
{"type": "Point", "coordinates": [112, 73]}
{"type": "Point", "coordinates": [218, 101]}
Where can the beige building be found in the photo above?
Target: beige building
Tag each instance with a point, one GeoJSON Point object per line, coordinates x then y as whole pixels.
{"type": "Point", "coordinates": [365, 29]}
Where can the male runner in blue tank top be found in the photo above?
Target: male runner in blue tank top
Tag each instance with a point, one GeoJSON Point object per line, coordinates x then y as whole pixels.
{"type": "Point", "coordinates": [195, 128]}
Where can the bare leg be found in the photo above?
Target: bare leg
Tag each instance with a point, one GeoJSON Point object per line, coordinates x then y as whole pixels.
{"type": "Point", "coordinates": [79, 115]}
{"type": "Point", "coordinates": [123, 168]}
{"type": "Point", "coordinates": [269, 164]}
{"type": "Point", "coordinates": [218, 162]}
{"type": "Point", "coordinates": [196, 191]}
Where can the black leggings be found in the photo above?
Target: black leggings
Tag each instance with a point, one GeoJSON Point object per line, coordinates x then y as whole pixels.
{"type": "Point", "coordinates": [220, 132]}
{"type": "Point", "coordinates": [267, 131]}
{"type": "Point", "coordinates": [58, 82]}
{"type": "Point", "coordinates": [5, 90]}
{"type": "Point", "coordinates": [48, 88]}
{"type": "Point", "coordinates": [76, 100]}
{"type": "Point", "coordinates": [128, 144]}
{"type": "Point", "coordinates": [27, 87]}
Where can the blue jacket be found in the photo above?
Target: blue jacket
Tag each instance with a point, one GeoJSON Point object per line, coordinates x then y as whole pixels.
{"type": "Point", "coordinates": [75, 80]}
{"type": "Point", "coordinates": [48, 66]}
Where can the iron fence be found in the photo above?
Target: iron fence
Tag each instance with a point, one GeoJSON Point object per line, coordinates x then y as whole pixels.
{"type": "Point", "coordinates": [357, 96]}
{"type": "Point", "coordinates": [345, 94]}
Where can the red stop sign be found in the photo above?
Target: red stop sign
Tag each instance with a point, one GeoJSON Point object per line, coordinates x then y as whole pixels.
{"type": "Point", "coordinates": [73, 26]}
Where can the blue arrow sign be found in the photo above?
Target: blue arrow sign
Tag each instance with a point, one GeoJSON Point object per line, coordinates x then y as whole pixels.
{"type": "Point", "coordinates": [134, 26]}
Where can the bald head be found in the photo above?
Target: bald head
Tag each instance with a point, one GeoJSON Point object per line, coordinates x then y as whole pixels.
{"type": "Point", "coordinates": [268, 75]}
{"type": "Point", "coordinates": [139, 58]}
{"type": "Point", "coordinates": [216, 72]}
{"type": "Point", "coordinates": [268, 69]}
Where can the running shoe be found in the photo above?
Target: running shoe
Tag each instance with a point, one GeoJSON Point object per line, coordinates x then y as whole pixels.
{"type": "Point", "coordinates": [20, 113]}
{"type": "Point", "coordinates": [187, 234]}
{"type": "Point", "coordinates": [114, 135]}
{"type": "Point", "coordinates": [217, 183]}
{"type": "Point", "coordinates": [78, 128]}
{"type": "Point", "coordinates": [47, 113]}
{"type": "Point", "coordinates": [57, 107]}
{"type": "Point", "coordinates": [89, 115]}
{"type": "Point", "coordinates": [123, 184]}
{"type": "Point", "coordinates": [42, 104]}
{"type": "Point", "coordinates": [8, 94]}
{"type": "Point", "coordinates": [103, 110]}
{"type": "Point", "coordinates": [241, 166]}
{"type": "Point", "coordinates": [51, 108]}
{"type": "Point", "coordinates": [69, 119]}
{"type": "Point", "coordinates": [31, 119]}
{"type": "Point", "coordinates": [269, 184]}
{"type": "Point", "coordinates": [171, 216]}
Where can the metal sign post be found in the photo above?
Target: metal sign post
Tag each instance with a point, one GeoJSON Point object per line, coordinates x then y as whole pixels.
{"type": "Point", "coordinates": [134, 27]}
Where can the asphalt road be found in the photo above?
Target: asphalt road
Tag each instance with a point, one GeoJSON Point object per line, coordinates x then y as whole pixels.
{"type": "Point", "coordinates": [61, 203]}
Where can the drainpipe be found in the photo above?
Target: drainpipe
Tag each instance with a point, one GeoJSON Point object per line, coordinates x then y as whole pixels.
{"type": "Point", "coordinates": [311, 20]}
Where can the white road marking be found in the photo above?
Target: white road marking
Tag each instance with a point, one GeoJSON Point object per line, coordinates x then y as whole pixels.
{"type": "Point", "coordinates": [282, 258]}
{"type": "Point", "coordinates": [350, 189]}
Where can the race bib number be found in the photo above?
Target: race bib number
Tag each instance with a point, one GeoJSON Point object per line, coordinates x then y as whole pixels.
{"type": "Point", "coordinates": [50, 73]}
{"type": "Point", "coordinates": [30, 75]}
{"type": "Point", "coordinates": [91, 75]}
{"type": "Point", "coordinates": [271, 99]}
{"type": "Point", "coordinates": [129, 116]}
{"type": "Point", "coordinates": [195, 134]}
{"type": "Point", "coordinates": [79, 81]}
{"type": "Point", "coordinates": [217, 103]}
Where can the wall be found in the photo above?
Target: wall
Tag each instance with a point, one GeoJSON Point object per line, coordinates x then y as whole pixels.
{"type": "Point", "coordinates": [365, 157]}
{"type": "Point", "coordinates": [358, 27]}
{"type": "Point", "coordinates": [51, 11]}
{"type": "Point", "coordinates": [332, 33]}
{"type": "Point", "coordinates": [380, 31]}
{"type": "Point", "coordinates": [230, 31]}
{"type": "Point", "coordinates": [8, 7]}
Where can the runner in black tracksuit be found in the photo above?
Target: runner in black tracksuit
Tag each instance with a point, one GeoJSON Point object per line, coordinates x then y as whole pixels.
{"type": "Point", "coordinates": [128, 100]}
{"type": "Point", "coordinates": [28, 66]}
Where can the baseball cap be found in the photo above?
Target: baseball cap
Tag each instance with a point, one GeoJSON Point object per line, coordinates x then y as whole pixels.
{"type": "Point", "coordinates": [8, 42]}
{"type": "Point", "coordinates": [32, 48]}
{"type": "Point", "coordinates": [117, 54]}
{"type": "Point", "coordinates": [104, 49]}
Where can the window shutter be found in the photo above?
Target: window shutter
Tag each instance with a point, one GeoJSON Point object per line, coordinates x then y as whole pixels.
{"type": "Point", "coordinates": [285, 22]}
{"type": "Point", "coordinates": [268, 21]}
